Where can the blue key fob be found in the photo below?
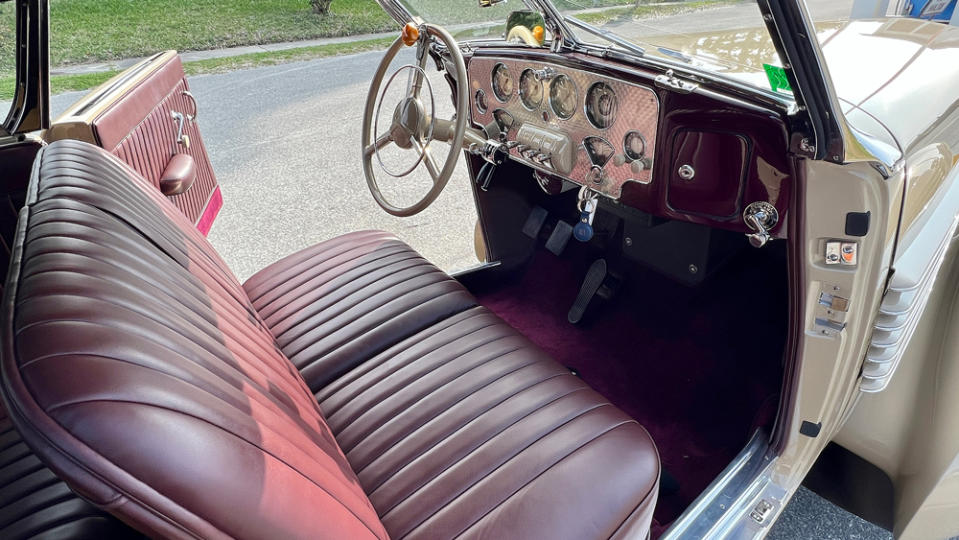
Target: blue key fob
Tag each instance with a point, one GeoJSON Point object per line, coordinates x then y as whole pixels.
{"type": "Point", "coordinates": [583, 231]}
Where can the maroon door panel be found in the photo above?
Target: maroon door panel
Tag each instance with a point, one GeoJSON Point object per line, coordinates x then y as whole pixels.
{"type": "Point", "coordinates": [707, 173]}
{"type": "Point", "coordinates": [147, 116]}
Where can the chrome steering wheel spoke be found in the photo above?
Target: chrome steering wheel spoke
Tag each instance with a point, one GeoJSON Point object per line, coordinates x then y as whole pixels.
{"type": "Point", "coordinates": [381, 142]}
{"type": "Point", "coordinates": [429, 160]}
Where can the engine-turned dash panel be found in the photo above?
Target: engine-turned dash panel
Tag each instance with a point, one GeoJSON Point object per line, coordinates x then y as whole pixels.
{"type": "Point", "coordinates": [594, 130]}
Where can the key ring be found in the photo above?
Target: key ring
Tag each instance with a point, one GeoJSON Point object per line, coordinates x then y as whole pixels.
{"type": "Point", "coordinates": [585, 196]}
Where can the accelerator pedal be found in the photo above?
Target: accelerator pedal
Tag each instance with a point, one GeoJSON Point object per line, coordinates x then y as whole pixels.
{"type": "Point", "coordinates": [591, 285]}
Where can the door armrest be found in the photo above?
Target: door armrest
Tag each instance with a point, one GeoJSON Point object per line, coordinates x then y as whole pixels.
{"type": "Point", "coordinates": [178, 176]}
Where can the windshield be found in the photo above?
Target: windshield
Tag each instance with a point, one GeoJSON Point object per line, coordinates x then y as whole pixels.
{"type": "Point", "coordinates": [723, 37]}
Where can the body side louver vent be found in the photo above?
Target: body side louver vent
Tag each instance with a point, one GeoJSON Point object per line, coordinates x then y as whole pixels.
{"type": "Point", "coordinates": [915, 273]}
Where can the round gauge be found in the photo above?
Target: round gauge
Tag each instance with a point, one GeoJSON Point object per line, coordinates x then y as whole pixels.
{"type": "Point", "coordinates": [503, 119]}
{"type": "Point", "coordinates": [530, 90]}
{"type": "Point", "coordinates": [601, 105]}
{"type": "Point", "coordinates": [502, 82]}
{"type": "Point", "coordinates": [634, 145]}
{"type": "Point", "coordinates": [562, 97]}
{"type": "Point", "coordinates": [481, 104]}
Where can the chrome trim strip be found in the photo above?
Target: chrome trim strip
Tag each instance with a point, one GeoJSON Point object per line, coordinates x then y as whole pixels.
{"type": "Point", "coordinates": [720, 511]}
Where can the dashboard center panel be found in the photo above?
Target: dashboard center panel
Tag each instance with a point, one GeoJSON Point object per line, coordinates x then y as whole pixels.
{"type": "Point", "coordinates": [593, 130]}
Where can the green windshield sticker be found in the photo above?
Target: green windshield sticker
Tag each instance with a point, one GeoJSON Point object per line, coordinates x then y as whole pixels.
{"type": "Point", "coordinates": [777, 78]}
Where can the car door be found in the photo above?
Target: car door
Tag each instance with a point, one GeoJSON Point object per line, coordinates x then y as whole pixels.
{"type": "Point", "coordinates": [148, 117]}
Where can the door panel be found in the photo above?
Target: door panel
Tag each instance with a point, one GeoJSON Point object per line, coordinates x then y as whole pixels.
{"type": "Point", "coordinates": [133, 116]}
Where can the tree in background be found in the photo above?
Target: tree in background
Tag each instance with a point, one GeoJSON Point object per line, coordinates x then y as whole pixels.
{"type": "Point", "coordinates": [321, 6]}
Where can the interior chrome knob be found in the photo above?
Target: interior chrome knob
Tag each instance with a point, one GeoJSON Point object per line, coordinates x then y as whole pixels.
{"type": "Point", "coordinates": [761, 217]}
{"type": "Point", "coordinates": [686, 172]}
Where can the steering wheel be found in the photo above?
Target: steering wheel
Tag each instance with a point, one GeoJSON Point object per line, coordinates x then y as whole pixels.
{"type": "Point", "coordinates": [414, 125]}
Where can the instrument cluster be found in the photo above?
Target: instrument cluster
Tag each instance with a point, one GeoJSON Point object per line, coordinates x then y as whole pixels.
{"type": "Point", "coordinates": [594, 130]}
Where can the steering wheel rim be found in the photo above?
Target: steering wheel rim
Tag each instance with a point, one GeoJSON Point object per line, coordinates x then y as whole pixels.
{"type": "Point", "coordinates": [371, 146]}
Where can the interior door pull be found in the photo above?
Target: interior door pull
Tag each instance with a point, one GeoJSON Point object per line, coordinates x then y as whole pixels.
{"type": "Point", "coordinates": [196, 109]}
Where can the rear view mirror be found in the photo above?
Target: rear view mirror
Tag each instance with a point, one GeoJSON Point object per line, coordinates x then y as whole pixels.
{"type": "Point", "coordinates": [526, 26]}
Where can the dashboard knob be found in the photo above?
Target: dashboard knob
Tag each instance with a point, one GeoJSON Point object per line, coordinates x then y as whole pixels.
{"type": "Point", "coordinates": [619, 159]}
{"type": "Point", "coordinates": [637, 166]}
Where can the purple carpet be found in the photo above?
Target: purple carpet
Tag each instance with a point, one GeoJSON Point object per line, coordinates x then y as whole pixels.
{"type": "Point", "coordinates": [697, 368]}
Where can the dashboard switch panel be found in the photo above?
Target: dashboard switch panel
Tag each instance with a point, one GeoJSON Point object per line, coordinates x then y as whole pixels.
{"type": "Point", "coordinates": [545, 147]}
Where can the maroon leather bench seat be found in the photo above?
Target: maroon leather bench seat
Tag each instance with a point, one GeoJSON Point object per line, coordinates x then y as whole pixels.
{"type": "Point", "coordinates": [146, 377]}
{"type": "Point", "coordinates": [349, 298]}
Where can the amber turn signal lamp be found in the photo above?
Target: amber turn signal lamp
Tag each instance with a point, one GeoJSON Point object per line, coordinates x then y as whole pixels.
{"type": "Point", "coordinates": [538, 33]}
{"type": "Point", "coordinates": [410, 34]}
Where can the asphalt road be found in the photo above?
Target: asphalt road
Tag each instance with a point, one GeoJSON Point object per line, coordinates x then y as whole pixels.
{"type": "Point", "coordinates": [284, 141]}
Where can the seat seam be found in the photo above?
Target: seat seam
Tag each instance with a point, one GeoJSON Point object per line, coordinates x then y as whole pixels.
{"type": "Point", "coordinates": [398, 350]}
{"type": "Point", "coordinates": [497, 467]}
{"type": "Point", "coordinates": [311, 263]}
{"type": "Point", "coordinates": [538, 476]}
{"type": "Point", "coordinates": [298, 258]}
{"type": "Point", "coordinates": [328, 318]}
{"type": "Point", "coordinates": [440, 363]}
{"type": "Point", "coordinates": [442, 386]}
{"type": "Point", "coordinates": [239, 376]}
{"type": "Point", "coordinates": [292, 295]}
{"type": "Point", "coordinates": [462, 425]}
{"type": "Point", "coordinates": [286, 288]}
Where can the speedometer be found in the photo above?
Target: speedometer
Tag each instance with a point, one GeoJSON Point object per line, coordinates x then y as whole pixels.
{"type": "Point", "coordinates": [601, 105]}
{"type": "Point", "coordinates": [502, 82]}
{"type": "Point", "coordinates": [562, 97]}
{"type": "Point", "coordinates": [530, 90]}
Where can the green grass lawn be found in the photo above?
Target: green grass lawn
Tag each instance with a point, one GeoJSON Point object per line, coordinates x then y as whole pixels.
{"type": "Point", "coordinates": [100, 30]}
{"type": "Point", "coordinates": [92, 30]}
{"type": "Point", "coordinates": [624, 14]}
{"type": "Point", "coordinates": [66, 83]}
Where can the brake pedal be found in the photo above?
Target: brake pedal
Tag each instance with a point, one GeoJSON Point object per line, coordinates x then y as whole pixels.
{"type": "Point", "coordinates": [591, 285]}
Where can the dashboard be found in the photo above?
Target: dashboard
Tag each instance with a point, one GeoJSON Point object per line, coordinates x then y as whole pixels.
{"type": "Point", "coordinates": [593, 130]}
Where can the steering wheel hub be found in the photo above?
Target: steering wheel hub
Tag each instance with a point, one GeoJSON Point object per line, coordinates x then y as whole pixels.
{"type": "Point", "coordinates": [409, 122]}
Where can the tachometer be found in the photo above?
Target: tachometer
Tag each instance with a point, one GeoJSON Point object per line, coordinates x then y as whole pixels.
{"type": "Point", "coordinates": [530, 90]}
{"type": "Point", "coordinates": [562, 97]}
{"type": "Point", "coordinates": [502, 82]}
{"type": "Point", "coordinates": [601, 105]}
